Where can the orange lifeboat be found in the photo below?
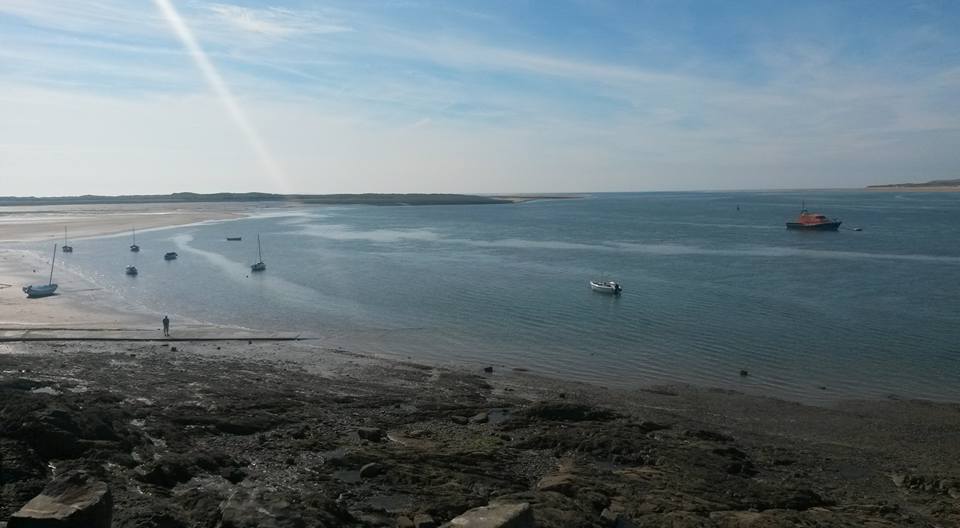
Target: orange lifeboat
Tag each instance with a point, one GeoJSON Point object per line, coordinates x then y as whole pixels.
{"type": "Point", "coordinates": [814, 222]}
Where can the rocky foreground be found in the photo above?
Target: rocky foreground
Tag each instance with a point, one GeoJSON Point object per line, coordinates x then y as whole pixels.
{"type": "Point", "coordinates": [141, 435]}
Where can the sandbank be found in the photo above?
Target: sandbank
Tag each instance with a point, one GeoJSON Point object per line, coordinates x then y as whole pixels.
{"type": "Point", "coordinates": [36, 223]}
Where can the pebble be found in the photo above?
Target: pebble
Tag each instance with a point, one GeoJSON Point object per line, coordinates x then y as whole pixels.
{"type": "Point", "coordinates": [480, 418]}
{"type": "Point", "coordinates": [422, 520]}
{"type": "Point", "coordinates": [460, 420]}
{"type": "Point", "coordinates": [373, 434]}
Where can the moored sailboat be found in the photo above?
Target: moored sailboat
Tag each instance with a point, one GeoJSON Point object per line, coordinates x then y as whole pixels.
{"type": "Point", "coordinates": [43, 290]}
{"type": "Point", "coordinates": [134, 247]}
{"type": "Point", "coordinates": [66, 247]}
{"type": "Point", "coordinates": [259, 266]}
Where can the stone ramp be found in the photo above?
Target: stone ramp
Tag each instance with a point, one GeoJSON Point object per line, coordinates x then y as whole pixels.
{"type": "Point", "coordinates": [177, 333]}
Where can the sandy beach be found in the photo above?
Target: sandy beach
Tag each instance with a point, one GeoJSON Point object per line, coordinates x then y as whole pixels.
{"type": "Point", "coordinates": [79, 304]}
{"type": "Point", "coordinates": [34, 223]}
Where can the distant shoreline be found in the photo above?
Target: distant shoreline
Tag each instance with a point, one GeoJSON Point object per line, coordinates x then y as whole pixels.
{"type": "Point", "coordinates": [914, 188]}
{"type": "Point", "coordinates": [930, 186]}
{"type": "Point", "coordinates": [254, 197]}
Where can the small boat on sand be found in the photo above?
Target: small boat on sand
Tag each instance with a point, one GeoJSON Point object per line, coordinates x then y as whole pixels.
{"type": "Point", "coordinates": [134, 247]}
{"type": "Point", "coordinates": [234, 239]}
{"type": "Point", "coordinates": [66, 248]}
{"type": "Point", "coordinates": [131, 270]}
{"type": "Point", "coordinates": [608, 287]}
{"type": "Point", "coordinates": [170, 255]}
{"type": "Point", "coordinates": [259, 266]}
{"type": "Point", "coordinates": [43, 290]}
{"type": "Point", "coordinates": [808, 221]}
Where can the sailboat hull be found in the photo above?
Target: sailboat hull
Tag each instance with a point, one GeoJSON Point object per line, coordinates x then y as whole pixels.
{"type": "Point", "coordinates": [44, 290]}
{"type": "Point", "coordinates": [259, 266]}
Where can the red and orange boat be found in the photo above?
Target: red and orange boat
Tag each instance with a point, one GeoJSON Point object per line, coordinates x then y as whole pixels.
{"type": "Point", "coordinates": [814, 222]}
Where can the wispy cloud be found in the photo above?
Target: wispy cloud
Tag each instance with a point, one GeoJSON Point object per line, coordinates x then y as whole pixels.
{"type": "Point", "coordinates": [276, 22]}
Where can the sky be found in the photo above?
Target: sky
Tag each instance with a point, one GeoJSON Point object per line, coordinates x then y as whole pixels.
{"type": "Point", "coordinates": [489, 96]}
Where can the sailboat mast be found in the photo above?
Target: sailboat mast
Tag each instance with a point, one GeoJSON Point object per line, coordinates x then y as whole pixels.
{"type": "Point", "coordinates": [259, 251]}
{"type": "Point", "coordinates": [54, 259]}
{"type": "Point", "coordinates": [64, 235]}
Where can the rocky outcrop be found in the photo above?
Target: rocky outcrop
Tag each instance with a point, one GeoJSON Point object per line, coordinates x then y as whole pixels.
{"type": "Point", "coordinates": [73, 500]}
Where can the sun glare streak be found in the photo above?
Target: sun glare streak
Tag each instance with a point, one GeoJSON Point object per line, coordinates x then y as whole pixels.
{"type": "Point", "coordinates": [222, 91]}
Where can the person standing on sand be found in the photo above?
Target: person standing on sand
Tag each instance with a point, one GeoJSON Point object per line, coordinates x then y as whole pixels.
{"type": "Point", "coordinates": [166, 326]}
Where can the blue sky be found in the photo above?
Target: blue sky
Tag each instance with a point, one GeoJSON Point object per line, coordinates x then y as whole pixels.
{"type": "Point", "coordinates": [123, 96]}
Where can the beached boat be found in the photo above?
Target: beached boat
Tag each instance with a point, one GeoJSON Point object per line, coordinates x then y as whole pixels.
{"type": "Point", "coordinates": [134, 247]}
{"type": "Point", "coordinates": [259, 266]}
{"type": "Point", "coordinates": [808, 221]}
{"type": "Point", "coordinates": [66, 247]}
{"type": "Point", "coordinates": [609, 287]}
{"type": "Point", "coordinates": [170, 255]}
{"type": "Point", "coordinates": [131, 270]}
{"type": "Point", "coordinates": [43, 290]}
{"type": "Point", "coordinates": [234, 239]}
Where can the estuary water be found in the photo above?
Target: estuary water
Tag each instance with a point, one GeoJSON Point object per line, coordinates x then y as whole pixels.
{"type": "Point", "coordinates": [709, 289]}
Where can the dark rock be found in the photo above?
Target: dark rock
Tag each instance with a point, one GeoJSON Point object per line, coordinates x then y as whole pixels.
{"type": "Point", "coordinates": [744, 373]}
{"type": "Point", "coordinates": [561, 483]}
{"type": "Point", "coordinates": [166, 472]}
{"type": "Point", "coordinates": [371, 470]}
{"type": "Point", "coordinates": [422, 520]}
{"type": "Point", "coordinates": [709, 436]}
{"type": "Point", "coordinates": [568, 412]}
{"type": "Point", "coordinates": [173, 349]}
{"type": "Point", "coordinates": [488, 370]}
{"type": "Point", "coordinates": [257, 507]}
{"type": "Point", "coordinates": [73, 500]}
{"type": "Point", "coordinates": [373, 434]}
{"type": "Point", "coordinates": [460, 420]}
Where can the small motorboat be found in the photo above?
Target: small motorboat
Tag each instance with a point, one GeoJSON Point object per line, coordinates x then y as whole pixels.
{"type": "Point", "coordinates": [808, 221]}
{"type": "Point", "coordinates": [234, 239]}
{"type": "Point", "coordinates": [43, 290]}
{"type": "Point", "coordinates": [132, 270]}
{"type": "Point", "coordinates": [170, 255]}
{"type": "Point", "coordinates": [609, 287]}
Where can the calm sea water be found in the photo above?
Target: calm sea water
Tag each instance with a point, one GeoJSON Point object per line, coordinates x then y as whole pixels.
{"type": "Point", "coordinates": [709, 290]}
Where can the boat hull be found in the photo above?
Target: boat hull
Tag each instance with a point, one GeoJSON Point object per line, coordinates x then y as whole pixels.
{"type": "Point", "coordinates": [259, 266]}
{"type": "Point", "coordinates": [605, 288]}
{"type": "Point", "coordinates": [825, 226]}
{"type": "Point", "coordinates": [45, 290]}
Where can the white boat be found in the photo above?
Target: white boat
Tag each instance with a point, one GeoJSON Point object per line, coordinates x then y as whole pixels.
{"type": "Point", "coordinates": [172, 255]}
{"type": "Point", "coordinates": [43, 290]}
{"type": "Point", "coordinates": [134, 247]}
{"type": "Point", "coordinates": [602, 286]}
{"type": "Point", "coordinates": [132, 270]}
{"type": "Point", "coordinates": [66, 248]}
{"type": "Point", "coordinates": [259, 266]}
